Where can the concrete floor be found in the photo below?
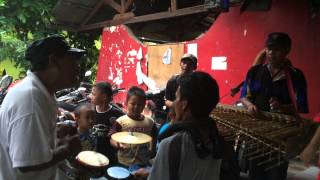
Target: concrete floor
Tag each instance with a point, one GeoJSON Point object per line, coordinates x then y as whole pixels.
{"type": "Point", "coordinates": [296, 171]}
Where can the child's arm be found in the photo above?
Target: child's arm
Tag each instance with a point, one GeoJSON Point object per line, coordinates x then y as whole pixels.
{"type": "Point", "coordinates": [116, 127]}
{"type": "Point", "coordinates": [310, 151]}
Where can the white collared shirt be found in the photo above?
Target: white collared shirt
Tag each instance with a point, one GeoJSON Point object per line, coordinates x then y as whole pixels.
{"type": "Point", "coordinates": [27, 130]}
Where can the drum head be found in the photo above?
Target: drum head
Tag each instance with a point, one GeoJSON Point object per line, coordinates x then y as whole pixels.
{"type": "Point", "coordinates": [131, 137]}
{"type": "Point", "coordinates": [92, 159]}
{"type": "Point", "coordinates": [118, 172]}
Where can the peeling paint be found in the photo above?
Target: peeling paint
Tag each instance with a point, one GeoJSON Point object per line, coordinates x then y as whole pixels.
{"type": "Point", "coordinates": [110, 77]}
{"type": "Point", "coordinates": [119, 53]}
{"type": "Point", "coordinates": [245, 32]}
{"type": "Point", "coordinates": [133, 52]}
{"type": "Point", "coordinates": [139, 55]}
{"type": "Point", "coordinates": [118, 80]}
{"type": "Point", "coordinates": [131, 60]}
{"type": "Point", "coordinates": [112, 29]}
{"type": "Point", "coordinates": [131, 55]}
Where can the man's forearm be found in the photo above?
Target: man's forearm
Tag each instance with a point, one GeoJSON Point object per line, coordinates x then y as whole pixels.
{"type": "Point", "coordinates": [59, 154]}
{"type": "Point", "coordinates": [315, 141]}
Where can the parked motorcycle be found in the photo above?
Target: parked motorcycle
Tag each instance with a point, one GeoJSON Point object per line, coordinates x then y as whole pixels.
{"type": "Point", "coordinates": [69, 99]}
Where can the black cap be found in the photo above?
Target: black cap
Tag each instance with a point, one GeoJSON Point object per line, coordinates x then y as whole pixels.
{"type": "Point", "coordinates": [190, 57]}
{"type": "Point", "coordinates": [40, 50]}
{"type": "Point", "coordinates": [278, 39]}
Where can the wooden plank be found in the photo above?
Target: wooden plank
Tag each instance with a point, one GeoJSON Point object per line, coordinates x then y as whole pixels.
{"type": "Point", "coordinates": [127, 5]}
{"type": "Point", "coordinates": [93, 12]}
{"type": "Point", "coordinates": [151, 17]}
{"type": "Point", "coordinates": [163, 15]}
{"type": "Point", "coordinates": [63, 26]}
{"type": "Point", "coordinates": [122, 6]}
{"type": "Point", "coordinates": [173, 5]}
{"type": "Point", "coordinates": [123, 16]}
{"type": "Point", "coordinates": [114, 5]}
{"type": "Point", "coordinates": [160, 72]}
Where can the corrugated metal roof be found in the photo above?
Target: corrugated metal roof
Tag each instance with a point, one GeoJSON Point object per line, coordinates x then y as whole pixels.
{"type": "Point", "coordinates": [73, 12]}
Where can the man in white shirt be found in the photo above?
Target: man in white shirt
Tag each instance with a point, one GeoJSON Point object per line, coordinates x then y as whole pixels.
{"type": "Point", "coordinates": [28, 113]}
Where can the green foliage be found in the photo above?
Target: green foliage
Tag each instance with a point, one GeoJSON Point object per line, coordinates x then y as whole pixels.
{"type": "Point", "coordinates": [23, 21]}
{"type": "Point", "coordinates": [10, 69]}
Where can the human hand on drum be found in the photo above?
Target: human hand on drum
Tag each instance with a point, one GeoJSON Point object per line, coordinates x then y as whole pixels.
{"type": "Point", "coordinates": [67, 127]}
{"type": "Point", "coordinates": [122, 146]}
{"type": "Point", "coordinates": [141, 173]}
{"type": "Point", "coordinates": [71, 144]}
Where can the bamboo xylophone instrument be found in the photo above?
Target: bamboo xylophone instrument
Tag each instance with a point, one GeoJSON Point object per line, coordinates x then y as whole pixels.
{"type": "Point", "coordinates": [269, 138]}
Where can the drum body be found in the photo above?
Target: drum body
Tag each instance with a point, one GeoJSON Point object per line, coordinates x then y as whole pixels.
{"type": "Point", "coordinates": [99, 178]}
{"type": "Point", "coordinates": [92, 163]}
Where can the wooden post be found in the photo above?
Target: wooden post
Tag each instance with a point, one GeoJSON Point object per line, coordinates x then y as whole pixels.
{"type": "Point", "coordinates": [123, 10]}
{"type": "Point", "coordinates": [173, 5]}
{"type": "Point", "coordinates": [114, 5]}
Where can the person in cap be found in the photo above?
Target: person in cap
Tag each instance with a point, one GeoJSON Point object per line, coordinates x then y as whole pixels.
{"type": "Point", "coordinates": [29, 111]}
{"type": "Point", "coordinates": [275, 86]}
{"type": "Point", "coordinates": [188, 64]}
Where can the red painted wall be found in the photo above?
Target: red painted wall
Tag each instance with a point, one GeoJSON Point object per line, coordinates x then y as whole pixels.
{"type": "Point", "coordinates": [238, 37]}
{"type": "Point", "coordinates": [117, 59]}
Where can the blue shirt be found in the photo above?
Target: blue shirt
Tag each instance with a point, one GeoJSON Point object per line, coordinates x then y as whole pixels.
{"type": "Point", "coordinates": [259, 87]}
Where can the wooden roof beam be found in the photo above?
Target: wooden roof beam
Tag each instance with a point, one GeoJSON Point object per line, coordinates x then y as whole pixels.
{"type": "Point", "coordinates": [150, 17]}
{"type": "Point", "coordinates": [114, 5]}
{"type": "Point", "coordinates": [127, 5]}
{"type": "Point", "coordinates": [173, 5]}
{"type": "Point", "coordinates": [93, 12]}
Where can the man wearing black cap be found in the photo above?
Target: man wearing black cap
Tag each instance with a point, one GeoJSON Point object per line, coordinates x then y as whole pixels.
{"type": "Point", "coordinates": [28, 113]}
{"type": "Point", "coordinates": [275, 86]}
{"type": "Point", "coordinates": [188, 64]}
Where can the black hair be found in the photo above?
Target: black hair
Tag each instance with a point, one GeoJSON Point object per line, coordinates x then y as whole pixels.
{"type": "Point", "coordinates": [77, 111]}
{"type": "Point", "coordinates": [279, 39]}
{"type": "Point", "coordinates": [105, 88]}
{"type": "Point", "coordinates": [201, 91]}
{"type": "Point", "coordinates": [136, 91]}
